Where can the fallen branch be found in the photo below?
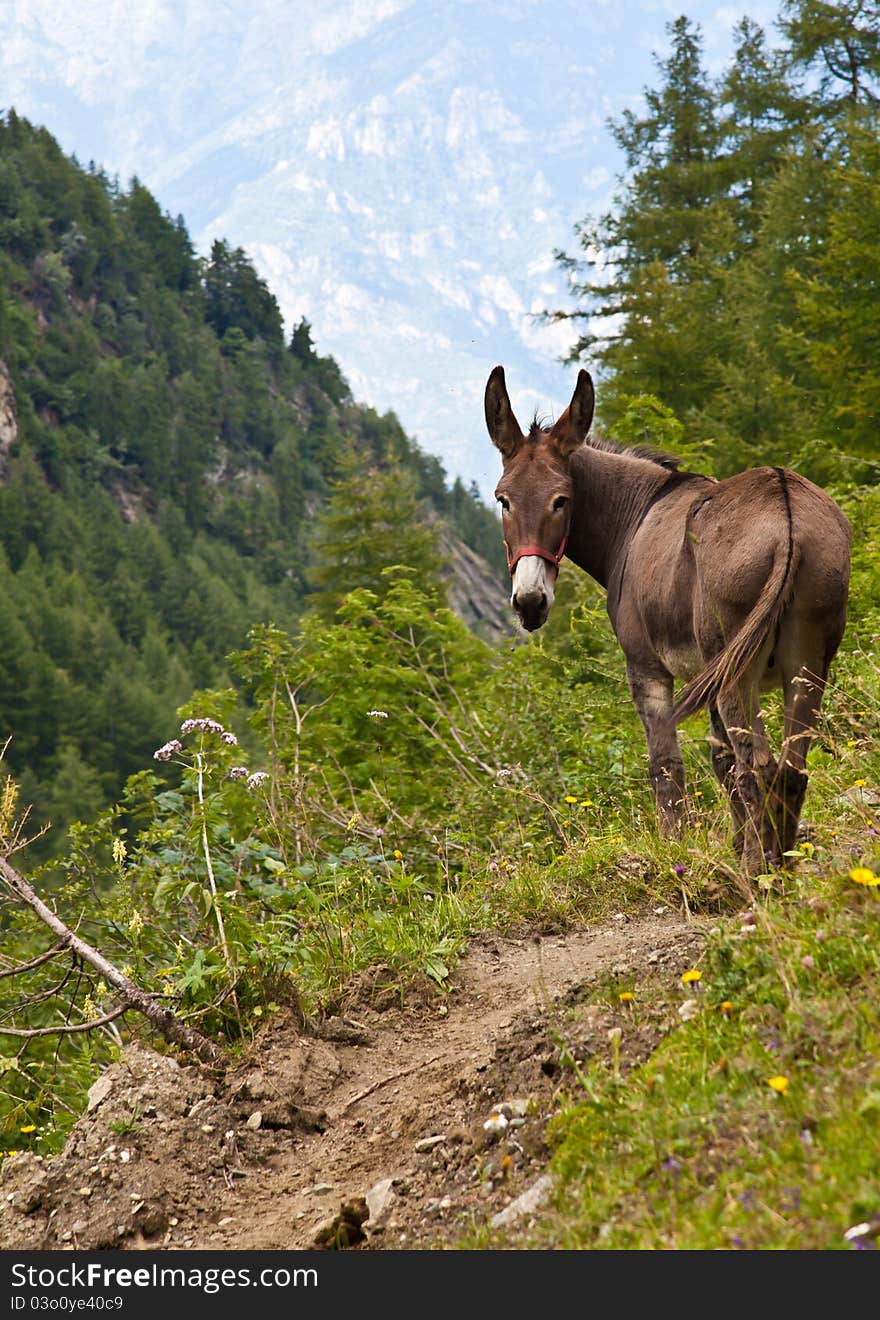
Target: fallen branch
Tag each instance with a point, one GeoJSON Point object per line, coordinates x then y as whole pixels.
{"type": "Point", "coordinates": [132, 995]}
{"type": "Point", "coordinates": [65, 1028]}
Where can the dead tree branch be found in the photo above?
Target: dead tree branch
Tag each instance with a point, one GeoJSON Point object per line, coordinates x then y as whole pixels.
{"type": "Point", "coordinates": [132, 996]}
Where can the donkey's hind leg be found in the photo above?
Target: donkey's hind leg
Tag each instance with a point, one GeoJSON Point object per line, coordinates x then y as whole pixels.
{"type": "Point", "coordinates": [652, 693]}
{"type": "Point", "coordinates": [724, 765]}
{"type": "Point", "coordinates": [755, 775]}
{"type": "Point", "coordinates": [803, 697]}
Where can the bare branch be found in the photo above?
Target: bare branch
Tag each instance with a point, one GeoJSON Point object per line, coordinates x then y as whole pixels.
{"type": "Point", "coordinates": [133, 996]}
{"type": "Point", "coordinates": [66, 1028]}
{"type": "Point", "coordinates": [34, 962]}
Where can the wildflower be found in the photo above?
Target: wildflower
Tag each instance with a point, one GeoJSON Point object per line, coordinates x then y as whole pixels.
{"type": "Point", "coordinates": [689, 1009]}
{"type": "Point", "coordinates": [807, 962]}
{"type": "Point", "coordinates": [778, 1084]}
{"type": "Point", "coordinates": [230, 739]}
{"type": "Point", "coordinates": [859, 783]}
{"type": "Point", "coordinates": [136, 924]}
{"type": "Point", "coordinates": [101, 988]}
{"type": "Point", "coordinates": [377, 714]}
{"type": "Point", "coordinates": [496, 1122]}
{"type": "Point", "coordinates": [852, 1234]}
{"type": "Point", "coordinates": [398, 855]}
{"type": "Point", "coordinates": [167, 750]}
{"type": "Point", "coordinates": [679, 869]}
{"type": "Point", "coordinates": [238, 772]}
{"type": "Point", "coordinates": [863, 875]}
{"type": "Point", "coordinates": [626, 997]}
{"type": "Point", "coordinates": [725, 1007]}
{"type": "Point", "coordinates": [569, 798]}
{"type": "Point", "coordinates": [202, 726]}
{"type": "Point", "coordinates": [379, 832]}
{"type": "Point", "coordinates": [118, 851]}
{"type": "Point", "coordinates": [671, 1165]}
{"type": "Point", "coordinates": [256, 779]}
{"type": "Point", "coordinates": [586, 802]}
{"type": "Point", "coordinates": [28, 1128]}
{"type": "Point", "coordinates": [691, 977]}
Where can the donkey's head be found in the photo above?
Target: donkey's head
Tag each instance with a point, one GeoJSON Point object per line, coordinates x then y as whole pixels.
{"type": "Point", "coordinates": [535, 492]}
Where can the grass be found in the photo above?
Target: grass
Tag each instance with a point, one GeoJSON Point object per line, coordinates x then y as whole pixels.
{"type": "Point", "coordinates": [754, 1120]}
{"type": "Point", "coordinates": [674, 1137]}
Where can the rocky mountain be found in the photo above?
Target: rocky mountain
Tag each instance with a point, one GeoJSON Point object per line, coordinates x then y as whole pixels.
{"type": "Point", "coordinates": [401, 172]}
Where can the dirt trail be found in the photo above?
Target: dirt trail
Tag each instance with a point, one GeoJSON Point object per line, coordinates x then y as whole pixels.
{"type": "Point", "coordinates": [326, 1137]}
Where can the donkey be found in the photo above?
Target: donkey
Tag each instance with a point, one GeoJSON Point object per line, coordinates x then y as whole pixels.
{"type": "Point", "coordinates": [733, 586]}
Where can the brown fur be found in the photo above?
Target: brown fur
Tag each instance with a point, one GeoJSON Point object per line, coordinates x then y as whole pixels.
{"type": "Point", "coordinates": [734, 587]}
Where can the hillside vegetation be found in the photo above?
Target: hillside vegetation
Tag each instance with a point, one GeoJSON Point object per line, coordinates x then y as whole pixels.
{"type": "Point", "coordinates": [343, 803]}
{"type": "Point", "coordinates": [164, 457]}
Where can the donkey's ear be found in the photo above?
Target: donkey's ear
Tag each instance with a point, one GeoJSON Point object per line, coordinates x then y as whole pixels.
{"type": "Point", "coordinates": [573, 427]}
{"type": "Point", "coordinates": [502, 425]}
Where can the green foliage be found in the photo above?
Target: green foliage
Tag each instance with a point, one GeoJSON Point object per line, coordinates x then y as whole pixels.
{"type": "Point", "coordinates": [169, 459]}
{"type": "Point", "coordinates": [398, 783]}
{"type": "Point", "coordinates": [754, 1120]}
{"type": "Point", "coordinates": [734, 280]}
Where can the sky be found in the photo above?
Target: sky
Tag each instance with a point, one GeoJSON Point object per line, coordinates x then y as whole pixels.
{"type": "Point", "coordinates": [400, 171]}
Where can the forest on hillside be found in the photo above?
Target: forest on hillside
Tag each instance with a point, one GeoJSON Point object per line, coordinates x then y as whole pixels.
{"type": "Point", "coordinates": [329, 775]}
{"type": "Point", "coordinates": [173, 458]}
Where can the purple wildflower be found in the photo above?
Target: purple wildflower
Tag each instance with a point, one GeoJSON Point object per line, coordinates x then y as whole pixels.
{"type": "Point", "coordinates": [168, 749]}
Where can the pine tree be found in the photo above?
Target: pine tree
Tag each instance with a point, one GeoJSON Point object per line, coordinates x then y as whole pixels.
{"type": "Point", "coordinates": [841, 41]}
{"type": "Point", "coordinates": [370, 523]}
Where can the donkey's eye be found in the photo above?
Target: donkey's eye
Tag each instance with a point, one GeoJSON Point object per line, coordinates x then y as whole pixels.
{"type": "Point", "coordinates": [504, 502]}
{"type": "Point", "coordinates": [559, 503]}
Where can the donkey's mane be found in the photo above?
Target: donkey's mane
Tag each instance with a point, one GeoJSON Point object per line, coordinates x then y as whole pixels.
{"type": "Point", "coordinates": [539, 427]}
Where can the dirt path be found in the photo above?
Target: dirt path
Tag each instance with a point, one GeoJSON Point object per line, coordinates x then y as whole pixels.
{"type": "Point", "coordinates": [379, 1112]}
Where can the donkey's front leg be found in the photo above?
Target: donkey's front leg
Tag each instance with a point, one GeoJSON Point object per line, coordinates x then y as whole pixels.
{"type": "Point", "coordinates": [652, 693]}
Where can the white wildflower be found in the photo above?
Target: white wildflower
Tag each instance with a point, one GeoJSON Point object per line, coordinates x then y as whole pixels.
{"type": "Point", "coordinates": [165, 752]}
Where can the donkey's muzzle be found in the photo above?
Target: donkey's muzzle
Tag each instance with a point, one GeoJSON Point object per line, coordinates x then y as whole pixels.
{"type": "Point", "coordinates": [532, 607]}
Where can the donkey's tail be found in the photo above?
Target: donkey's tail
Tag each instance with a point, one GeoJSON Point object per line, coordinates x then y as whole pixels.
{"type": "Point", "coordinates": [730, 664]}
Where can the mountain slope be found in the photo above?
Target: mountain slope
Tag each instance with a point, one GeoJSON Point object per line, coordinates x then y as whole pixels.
{"type": "Point", "coordinates": [163, 453]}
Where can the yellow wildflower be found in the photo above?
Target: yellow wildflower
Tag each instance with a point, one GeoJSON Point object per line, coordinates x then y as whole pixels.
{"type": "Point", "coordinates": [626, 997]}
{"type": "Point", "coordinates": [863, 875]}
{"type": "Point", "coordinates": [692, 976]}
{"type": "Point", "coordinates": [398, 854]}
{"type": "Point", "coordinates": [586, 802]}
{"type": "Point", "coordinates": [136, 923]}
{"type": "Point", "coordinates": [119, 852]}
{"type": "Point", "coordinates": [859, 783]}
{"type": "Point", "coordinates": [569, 798]}
{"type": "Point", "coordinates": [29, 1127]}
{"type": "Point", "coordinates": [779, 1084]}
{"type": "Point", "coordinates": [725, 1006]}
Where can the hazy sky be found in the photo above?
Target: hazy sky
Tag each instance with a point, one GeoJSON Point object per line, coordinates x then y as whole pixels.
{"type": "Point", "coordinates": [401, 171]}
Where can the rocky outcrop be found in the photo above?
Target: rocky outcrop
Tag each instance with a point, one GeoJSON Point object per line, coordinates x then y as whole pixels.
{"type": "Point", "coordinates": [8, 418]}
{"type": "Point", "coordinates": [476, 594]}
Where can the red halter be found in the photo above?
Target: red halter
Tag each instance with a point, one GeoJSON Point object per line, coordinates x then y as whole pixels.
{"type": "Point", "coordinates": [539, 553]}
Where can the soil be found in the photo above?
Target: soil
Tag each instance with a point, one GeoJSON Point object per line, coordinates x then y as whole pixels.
{"type": "Point", "coordinates": [368, 1129]}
